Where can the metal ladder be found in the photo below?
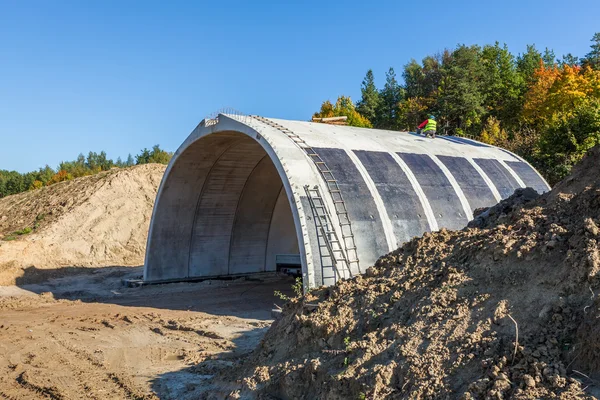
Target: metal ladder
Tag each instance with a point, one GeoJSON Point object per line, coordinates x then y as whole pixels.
{"type": "Point", "coordinates": [326, 235]}
{"type": "Point", "coordinates": [333, 188]}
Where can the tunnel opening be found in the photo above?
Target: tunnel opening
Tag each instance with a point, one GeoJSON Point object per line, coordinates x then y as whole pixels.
{"type": "Point", "coordinates": [223, 212]}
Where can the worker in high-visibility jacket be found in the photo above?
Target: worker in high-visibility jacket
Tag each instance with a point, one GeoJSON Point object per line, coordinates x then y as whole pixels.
{"type": "Point", "coordinates": [429, 126]}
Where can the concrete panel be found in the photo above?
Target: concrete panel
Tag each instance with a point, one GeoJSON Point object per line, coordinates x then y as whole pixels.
{"type": "Point", "coordinates": [282, 232]}
{"type": "Point", "coordinates": [441, 195]}
{"type": "Point", "coordinates": [211, 236]}
{"type": "Point", "coordinates": [253, 219]}
{"type": "Point", "coordinates": [529, 176]}
{"type": "Point", "coordinates": [366, 224]}
{"type": "Point", "coordinates": [168, 256]}
{"type": "Point", "coordinates": [477, 192]}
{"type": "Point", "coordinates": [503, 180]}
{"type": "Point", "coordinates": [401, 201]}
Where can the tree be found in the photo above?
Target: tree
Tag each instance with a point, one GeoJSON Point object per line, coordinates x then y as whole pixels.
{"type": "Point", "coordinates": [527, 64]}
{"type": "Point", "coordinates": [592, 59]}
{"type": "Point", "coordinates": [549, 57]}
{"type": "Point", "coordinates": [390, 97]}
{"type": "Point", "coordinates": [461, 95]}
{"type": "Point", "coordinates": [569, 59]}
{"type": "Point", "coordinates": [343, 107]}
{"type": "Point", "coordinates": [129, 161]}
{"type": "Point", "coordinates": [157, 155]}
{"type": "Point", "coordinates": [368, 104]}
{"type": "Point", "coordinates": [501, 84]}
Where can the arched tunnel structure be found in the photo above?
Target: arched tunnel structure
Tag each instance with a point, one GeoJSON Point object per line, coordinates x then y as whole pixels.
{"type": "Point", "coordinates": [245, 195]}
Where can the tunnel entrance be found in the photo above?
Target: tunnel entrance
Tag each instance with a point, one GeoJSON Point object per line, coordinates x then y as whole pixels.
{"type": "Point", "coordinates": [233, 215]}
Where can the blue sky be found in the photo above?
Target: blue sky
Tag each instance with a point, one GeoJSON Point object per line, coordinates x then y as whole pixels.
{"type": "Point", "coordinates": [118, 76]}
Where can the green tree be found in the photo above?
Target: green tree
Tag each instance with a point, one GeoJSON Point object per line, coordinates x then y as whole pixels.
{"type": "Point", "coordinates": [527, 64]}
{"type": "Point", "coordinates": [390, 97]}
{"type": "Point", "coordinates": [569, 59]}
{"type": "Point", "coordinates": [549, 57]}
{"type": "Point", "coordinates": [501, 84]}
{"type": "Point", "coordinates": [156, 155]}
{"type": "Point", "coordinates": [461, 92]}
{"type": "Point", "coordinates": [593, 57]}
{"type": "Point", "coordinates": [369, 102]}
{"type": "Point", "coordinates": [129, 161]}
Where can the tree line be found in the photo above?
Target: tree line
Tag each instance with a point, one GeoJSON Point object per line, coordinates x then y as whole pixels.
{"type": "Point", "coordinates": [13, 182]}
{"type": "Point", "coordinates": [543, 108]}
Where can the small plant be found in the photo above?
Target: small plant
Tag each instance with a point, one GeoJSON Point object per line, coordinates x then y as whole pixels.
{"type": "Point", "coordinates": [23, 231]}
{"type": "Point", "coordinates": [297, 287]}
{"type": "Point", "coordinates": [40, 217]}
{"type": "Point", "coordinates": [362, 396]}
{"type": "Point", "coordinates": [281, 296]}
{"type": "Point", "coordinates": [9, 238]}
{"type": "Point", "coordinates": [347, 342]}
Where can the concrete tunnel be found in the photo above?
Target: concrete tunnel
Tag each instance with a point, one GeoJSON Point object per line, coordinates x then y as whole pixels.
{"type": "Point", "coordinates": [250, 195]}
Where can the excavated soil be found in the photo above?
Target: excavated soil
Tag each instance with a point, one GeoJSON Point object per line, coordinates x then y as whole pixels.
{"type": "Point", "coordinates": [100, 220]}
{"type": "Point", "coordinates": [506, 308]}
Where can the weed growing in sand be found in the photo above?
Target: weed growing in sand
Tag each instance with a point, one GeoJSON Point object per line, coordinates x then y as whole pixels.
{"type": "Point", "coordinates": [24, 231]}
{"type": "Point", "coordinates": [15, 234]}
{"type": "Point", "coordinates": [38, 219]}
{"type": "Point", "coordinates": [296, 287]}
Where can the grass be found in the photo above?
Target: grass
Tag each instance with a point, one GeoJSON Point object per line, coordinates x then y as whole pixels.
{"type": "Point", "coordinates": [15, 234]}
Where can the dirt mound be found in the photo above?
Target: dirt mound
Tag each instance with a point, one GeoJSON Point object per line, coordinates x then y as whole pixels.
{"type": "Point", "coordinates": [93, 221]}
{"type": "Point", "coordinates": [505, 308]}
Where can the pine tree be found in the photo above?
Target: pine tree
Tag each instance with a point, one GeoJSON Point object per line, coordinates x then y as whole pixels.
{"type": "Point", "coordinates": [368, 104]}
{"type": "Point", "coordinates": [461, 92]}
{"type": "Point", "coordinates": [592, 58]}
{"type": "Point", "coordinates": [549, 57]}
{"type": "Point", "coordinates": [501, 83]}
{"type": "Point", "coordinates": [129, 161]}
{"type": "Point", "coordinates": [390, 98]}
{"type": "Point", "coordinates": [569, 59]}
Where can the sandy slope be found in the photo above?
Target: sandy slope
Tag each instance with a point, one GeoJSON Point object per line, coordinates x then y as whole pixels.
{"type": "Point", "coordinates": [93, 221]}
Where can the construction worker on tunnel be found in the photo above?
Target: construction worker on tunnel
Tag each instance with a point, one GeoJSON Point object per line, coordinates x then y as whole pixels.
{"type": "Point", "coordinates": [428, 126]}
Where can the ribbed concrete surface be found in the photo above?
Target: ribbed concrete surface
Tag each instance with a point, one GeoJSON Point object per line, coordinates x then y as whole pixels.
{"type": "Point", "coordinates": [232, 198]}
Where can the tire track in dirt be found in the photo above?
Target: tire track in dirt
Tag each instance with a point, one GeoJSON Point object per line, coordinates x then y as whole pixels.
{"type": "Point", "coordinates": [127, 389]}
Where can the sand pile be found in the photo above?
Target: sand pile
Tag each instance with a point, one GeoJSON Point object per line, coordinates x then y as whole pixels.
{"type": "Point", "coordinates": [505, 308]}
{"type": "Point", "coordinates": [93, 221]}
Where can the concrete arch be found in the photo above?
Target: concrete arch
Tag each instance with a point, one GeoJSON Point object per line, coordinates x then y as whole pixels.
{"type": "Point", "coordinates": [216, 205]}
{"type": "Point", "coordinates": [234, 197]}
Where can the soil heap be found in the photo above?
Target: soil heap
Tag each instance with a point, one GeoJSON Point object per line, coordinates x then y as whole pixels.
{"type": "Point", "coordinates": [506, 308]}
{"type": "Point", "coordinates": [94, 221]}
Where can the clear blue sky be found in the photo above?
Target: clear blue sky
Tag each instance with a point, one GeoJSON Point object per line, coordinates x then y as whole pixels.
{"type": "Point", "coordinates": [118, 76]}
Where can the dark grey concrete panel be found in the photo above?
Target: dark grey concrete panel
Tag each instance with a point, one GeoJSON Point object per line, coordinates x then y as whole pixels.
{"type": "Point", "coordinates": [437, 188]}
{"type": "Point", "coordinates": [168, 254]}
{"type": "Point", "coordinates": [366, 223]}
{"type": "Point", "coordinates": [477, 192]}
{"type": "Point", "coordinates": [400, 199]}
{"type": "Point", "coordinates": [211, 237]}
{"type": "Point", "coordinates": [504, 181]}
{"type": "Point", "coordinates": [528, 176]}
{"type": "Point", "coordinates": [253, 219]}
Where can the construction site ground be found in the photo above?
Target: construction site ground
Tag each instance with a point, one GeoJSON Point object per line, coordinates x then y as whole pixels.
{"type": "Point", "coordinates": [89, 336]}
